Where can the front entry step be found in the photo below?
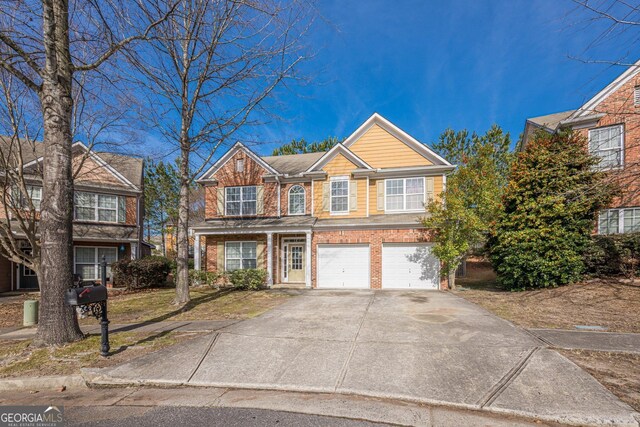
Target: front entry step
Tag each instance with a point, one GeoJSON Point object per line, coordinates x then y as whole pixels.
{"type": "Point", "coordinates": [288, 286]}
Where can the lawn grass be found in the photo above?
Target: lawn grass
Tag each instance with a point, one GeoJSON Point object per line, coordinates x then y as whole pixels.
{"type": "Point", "coordinates": [20, 359]}
{"type": "Point", "coordinates": [611, 303]}
{"type": "Point", "coordinates": [155, 305]}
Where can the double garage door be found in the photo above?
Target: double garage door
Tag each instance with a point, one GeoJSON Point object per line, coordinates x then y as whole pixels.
{"type": "Point", "coordinates": [404, 266]}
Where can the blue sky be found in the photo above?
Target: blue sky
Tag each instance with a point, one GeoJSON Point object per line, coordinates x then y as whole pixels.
{"type": "Point", "coordinates": [429, 65]}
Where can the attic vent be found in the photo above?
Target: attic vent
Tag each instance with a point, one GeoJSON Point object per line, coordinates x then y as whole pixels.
{"type": "Point", "coordinates": [240, 165]}
{"type": "Point", "coordinates": [636, 96]}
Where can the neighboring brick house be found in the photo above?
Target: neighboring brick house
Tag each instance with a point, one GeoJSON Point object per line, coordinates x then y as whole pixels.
{"type": "Point", "coordinates": [346, 218]}
{"type": "Point", "coordinates": [108, 211]}
{"type": "Point", "coordinates": [610, 121]}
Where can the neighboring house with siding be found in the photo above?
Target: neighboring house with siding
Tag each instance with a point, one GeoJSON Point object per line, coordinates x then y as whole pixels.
{"type": "Point", "coordinates": [345, 218]}
{"type": "Point", "coordinates": [610, 121]}
{"type": "Point", "coordinates": [108, 211]}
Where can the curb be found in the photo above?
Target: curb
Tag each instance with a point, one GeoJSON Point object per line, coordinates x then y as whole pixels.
{"type": "Point", "coordinates": [29, 383]}
{"type": "Point", "coordinates": [94, 378]}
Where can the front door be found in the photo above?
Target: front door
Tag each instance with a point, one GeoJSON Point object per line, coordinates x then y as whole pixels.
{"type": "Point", "coordinates": [28, 278]}
{"type": "Point", "coordinates": [295, 263]}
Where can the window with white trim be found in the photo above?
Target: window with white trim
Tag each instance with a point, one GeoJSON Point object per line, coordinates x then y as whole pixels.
{"type": "Point", "coordinates": [340, 195]}
{"type": "Point", "coordinates": [296, 200]}
{"type": "Point", "coordinates": [626, 220]}
{"type": "Point", "coordinates": [88, 259]}
{"type": "Point", "coordinates": [240, 165]}
{"type": "Point", "coordinates": [631, 223]}
{"type": "Point", "coordinates": [404, 194]}
{"type": "Point", "coordinates": [21, 200]}
{"type": "Point", "coordinates": [99, 207]}
{"type": "Point", "coordinates": [608, 221]}
{"type": "Point", "coordinates": [607, 144]}
{"type": "Point", "coordinates": [241, 200]}
{"type": "Point", "coordinates": [240, 255]}
{"type": "Point", "coordinates": [636, 96]}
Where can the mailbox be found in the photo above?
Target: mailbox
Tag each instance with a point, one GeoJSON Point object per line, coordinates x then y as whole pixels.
{"type": "Point", "coordinates": [86, 295]}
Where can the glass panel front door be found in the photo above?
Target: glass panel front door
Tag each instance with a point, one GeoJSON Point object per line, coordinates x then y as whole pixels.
{"type": "Point", "coordinates": [295, 265]}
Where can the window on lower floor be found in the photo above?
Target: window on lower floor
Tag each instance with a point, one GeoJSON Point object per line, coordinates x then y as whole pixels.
{"type": "Point", "coordinates": [626, 220]}
{"type": "Point", "coordinates": [240, 255]}
{"type": "Point", "coordinates": [88, 259]}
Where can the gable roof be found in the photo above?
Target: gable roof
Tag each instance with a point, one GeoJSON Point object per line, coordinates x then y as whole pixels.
{"type": "Point", "coordinates": [338, 149]}
{"type": "Point", "coordinates": [293, 164]}
{"type": "Point", "coordinates": [127, 169]}
{"type": "Point", "coordinates": [238, 146]}
{"type": "Point", "coordinates": [551, 122]}
{"type": "Point", "coordinates": [417, 146]}
{"type": "Point", "coordinates": [589, 107]}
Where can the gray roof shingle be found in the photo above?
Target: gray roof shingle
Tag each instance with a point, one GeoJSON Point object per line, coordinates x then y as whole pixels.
{"type": "Point", "coordinates": [293, 163]}
{"type": "Point", "coordinates": [551, 121]}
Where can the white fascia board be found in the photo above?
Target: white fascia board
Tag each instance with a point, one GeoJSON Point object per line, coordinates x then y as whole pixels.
{"type": "Point", "coordinates": [590, 106]}
{"type": "Point", "coordinates": [95, 157]}
{"type": "Point", "coordinates": [338, 148]}
{"type": "Point", "coordinates": [205, 177]}
{"type": "Point", "coordinates": [394, 130]}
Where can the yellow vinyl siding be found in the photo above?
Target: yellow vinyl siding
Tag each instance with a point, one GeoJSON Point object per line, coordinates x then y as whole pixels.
{"type": "Point", "coordinates": [340, 166]}
{"type": "Point", "coordinates": [380, 149]}
{"type": "Point", "coordinates": [373, 193]}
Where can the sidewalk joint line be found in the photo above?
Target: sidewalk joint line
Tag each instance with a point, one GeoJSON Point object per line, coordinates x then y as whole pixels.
{"type": "Point", "coordinates": [506, 380]}
{"type": "Point", "coordinates": [345, 366]}
{"type": "Point", "coordinates": [204, 355]}
{"type": "Point", "coordinates": [539, 338]}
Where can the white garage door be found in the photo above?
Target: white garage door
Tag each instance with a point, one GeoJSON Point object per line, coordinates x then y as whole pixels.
{"type": "Point", "coordinates": [343, 266]}
{"type": "Point", "coordinates": [409, 266]}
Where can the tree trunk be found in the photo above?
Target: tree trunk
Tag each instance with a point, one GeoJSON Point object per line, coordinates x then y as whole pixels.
{"type": "Point", "coordinates": [57, 322]}
{"type": "Point", "coordinates": [182, 242]}
{"type": "Point", "coordinates": [451, 279]}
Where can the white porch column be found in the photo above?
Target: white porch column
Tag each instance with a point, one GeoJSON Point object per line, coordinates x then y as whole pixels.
{"type": "Point", "coordinates": [307, 273]}
{"type": "Point", "coordinates": [269, 259]}
{"type": "Point", "coordinates": [196, 252]}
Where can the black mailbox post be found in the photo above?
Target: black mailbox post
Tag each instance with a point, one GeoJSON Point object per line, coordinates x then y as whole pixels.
{"type": "Point", "coordinates": [93, 298]}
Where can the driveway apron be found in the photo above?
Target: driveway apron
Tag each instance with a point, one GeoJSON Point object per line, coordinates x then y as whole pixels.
{"type": "Point", "coordinates": [421, 346]}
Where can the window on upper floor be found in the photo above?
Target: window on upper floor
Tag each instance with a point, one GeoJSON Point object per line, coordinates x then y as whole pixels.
{"type": "Point", "coordinates": [241, 200]}
{"type": "Point", "coordinates": [296, 200]}
{"type": "Point", "coordinates": [607, 143]}
{"type": "Point", "coordinates": [636, 96]}
{"type": "Point", "coordinates": [99, 207]}
{"type": "Point", "coordinates": [340, 195]}
{"type": "Point", "coordinates": [404, 194]}
{"type": "Point", "coordinates": [20, 200]}
{"type": "Point", "coordinates": [626, 220]}
{"type": "Point", "coordinates": [240, 165]}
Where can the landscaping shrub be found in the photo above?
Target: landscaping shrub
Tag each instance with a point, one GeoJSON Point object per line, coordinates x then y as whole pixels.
{"type": "Point", "coordinates": [613, 255]}
{"type": "Point", "coordinates": [209, 278]}
{"type": "Point", "coordinates": [550, 205]}
{"type": "Point", "coordinates": [141, 273]}
{"type": "Point", "coordinates": [248, 279]}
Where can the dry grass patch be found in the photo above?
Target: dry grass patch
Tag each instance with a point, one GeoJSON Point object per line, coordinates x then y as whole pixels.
{"type": "Point", "coordinates": [18, 359]}
{"type": "Point", "coordinates": [609, 303]}
{"type": "Point", "coordinates": [618, 372]}
{"type": "Point", "coordinates": [155, 305]}
{"type": "Point", "coordinates": [11, 309]}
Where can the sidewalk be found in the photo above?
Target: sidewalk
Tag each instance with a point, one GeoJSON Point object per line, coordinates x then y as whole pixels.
{"type": "Point", "coordinates": [150, 327]}
{"type": "Point", "coordinates": [589, 340]}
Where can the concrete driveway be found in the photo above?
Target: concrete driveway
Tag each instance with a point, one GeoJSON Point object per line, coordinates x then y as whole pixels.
{"type": "Point", "coordinates": [429, 347]}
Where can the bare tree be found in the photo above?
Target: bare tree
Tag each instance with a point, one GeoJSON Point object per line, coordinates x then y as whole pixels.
{"type": "Point", "coordinates": [46, 45]}
{"type": "Point", "coordinates": [209, 71]}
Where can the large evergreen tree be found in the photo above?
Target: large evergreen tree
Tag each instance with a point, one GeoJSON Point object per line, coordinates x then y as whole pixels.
{"type": "Point", "coordinates": [301, 146]}
{"type": "Point", "coordinates": [472, 194]}
{"type": "Point", "coordinates": [550, 205]}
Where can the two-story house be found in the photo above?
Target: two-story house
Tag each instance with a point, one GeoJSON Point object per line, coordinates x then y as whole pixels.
{"type": "Point", "coordinates": [610, 121]}
{"type": "Point", "coordinates": [345, 218]}
{"type": "Point", "coordinates": [108, 211]}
